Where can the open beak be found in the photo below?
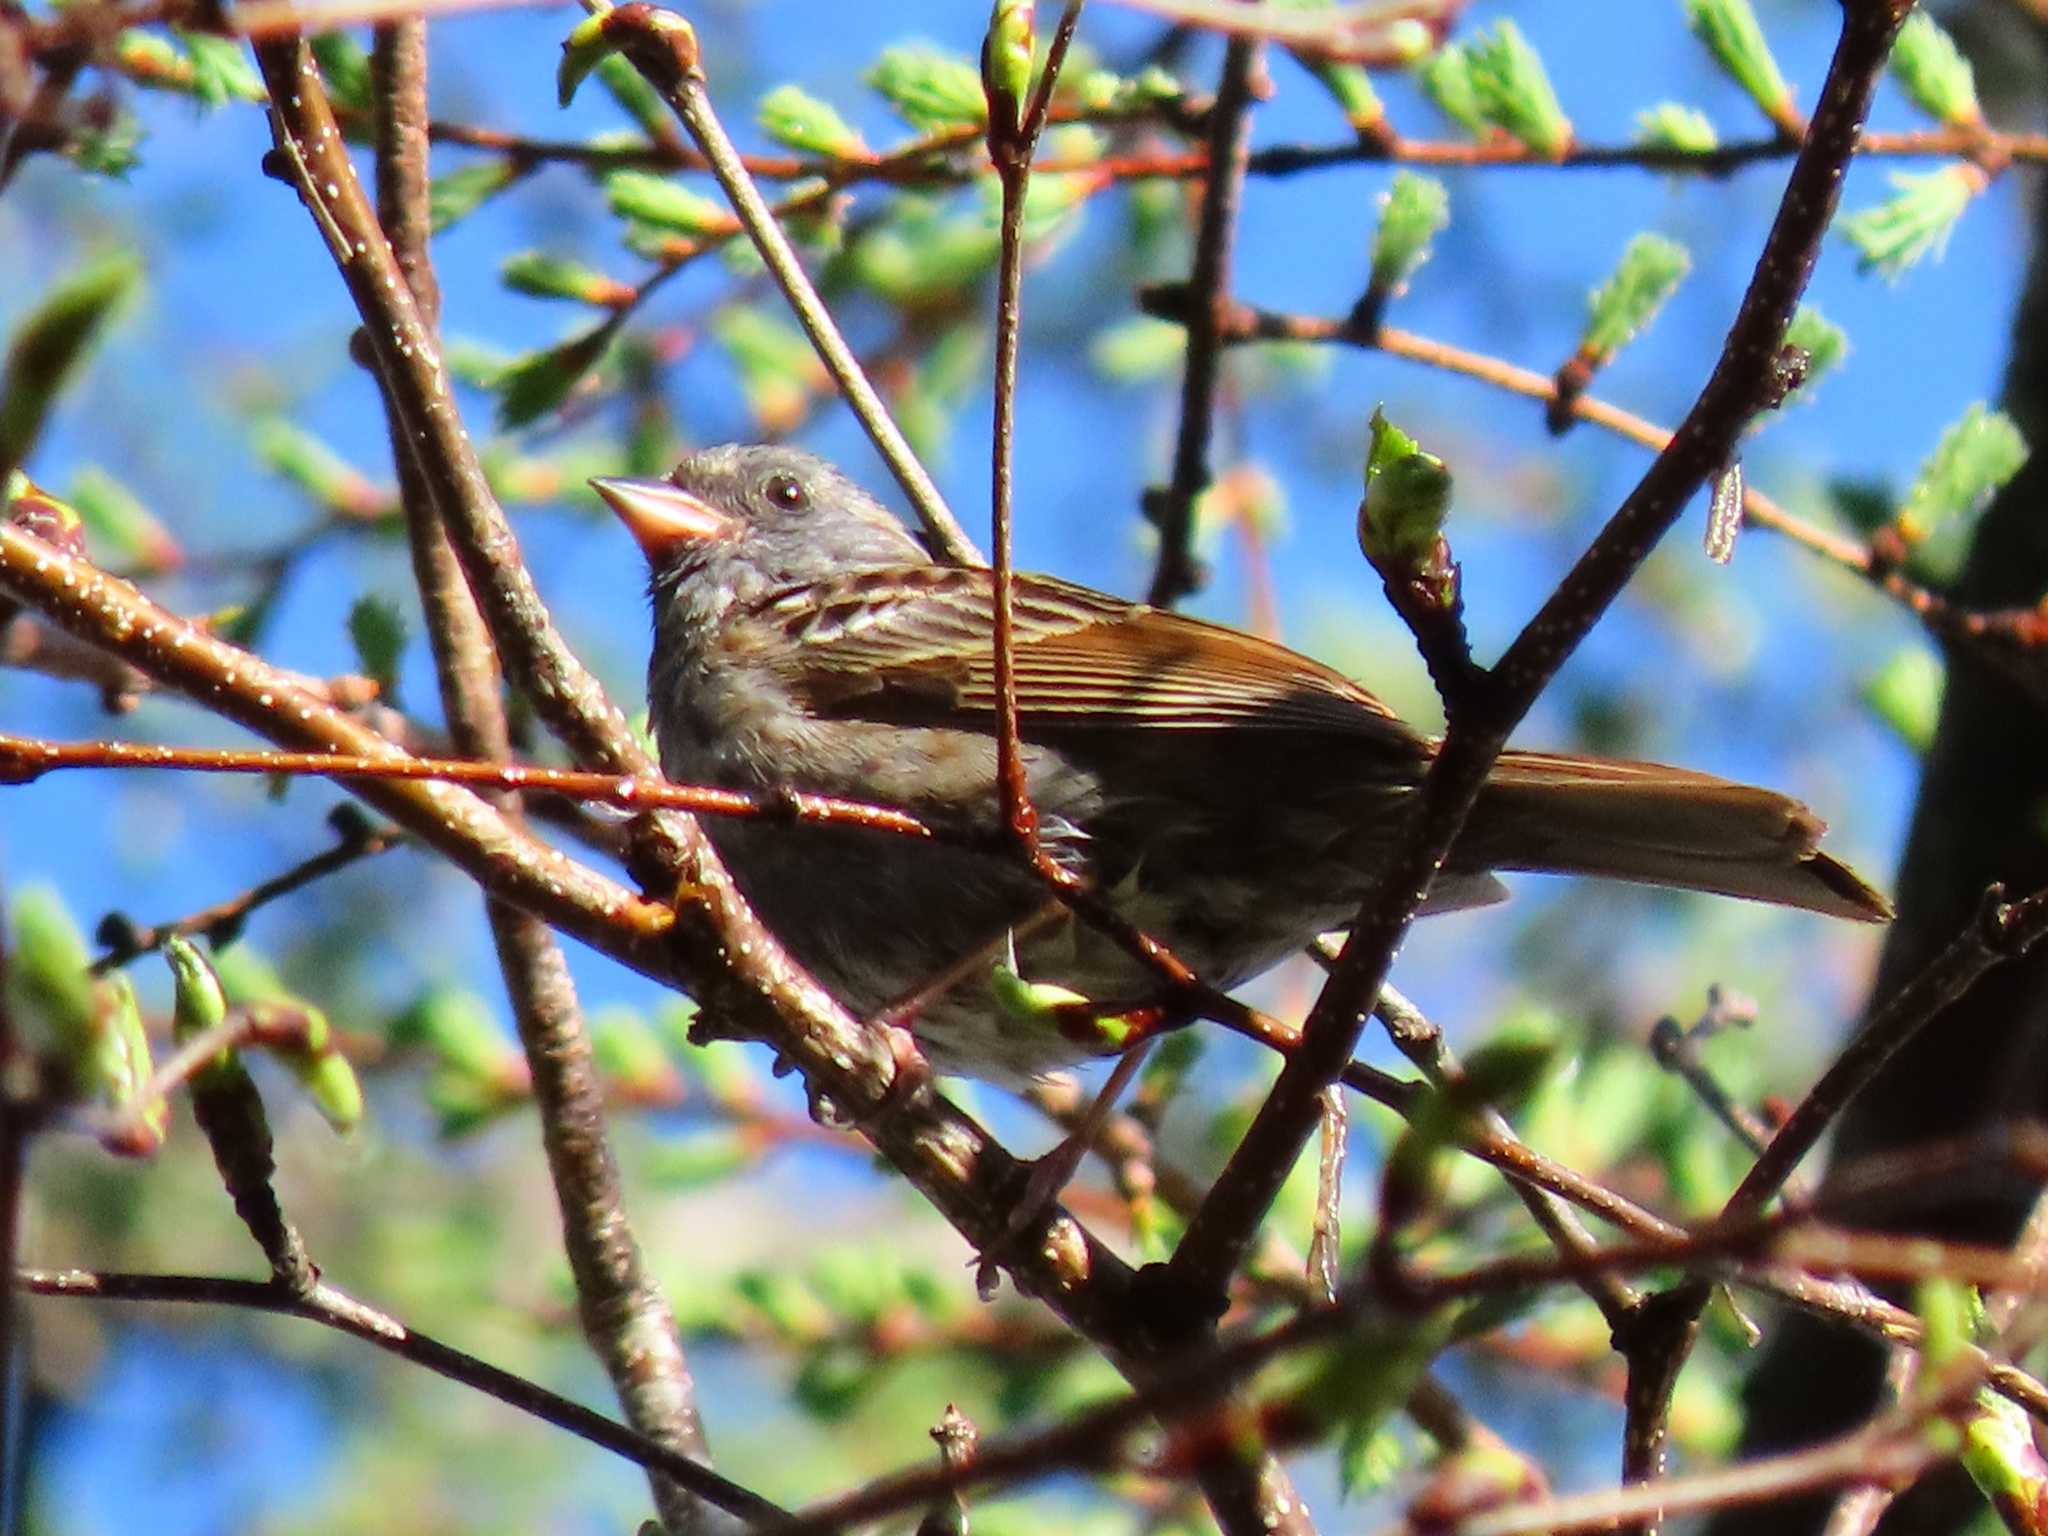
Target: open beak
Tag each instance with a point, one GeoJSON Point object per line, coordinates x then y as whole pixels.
{"type": "Point", "coordinates": [660, 516]}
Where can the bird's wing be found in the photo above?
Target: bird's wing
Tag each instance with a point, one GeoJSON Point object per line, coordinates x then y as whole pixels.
{"type": "Point", "coordinates": [913, 646]}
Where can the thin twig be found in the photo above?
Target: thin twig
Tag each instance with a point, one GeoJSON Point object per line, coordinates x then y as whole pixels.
{"type": "Point", "coordinates": [332, 1308]}
{"type": "Point", "coordinates": [668, 57]}
{"type": "Point", "coordinates": [1175, 575]}
{"type": "Point", "coordinates": [223, 918]}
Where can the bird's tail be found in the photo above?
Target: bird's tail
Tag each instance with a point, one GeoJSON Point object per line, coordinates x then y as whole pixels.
{"type": "Point", "coordinates": [1659, 826]}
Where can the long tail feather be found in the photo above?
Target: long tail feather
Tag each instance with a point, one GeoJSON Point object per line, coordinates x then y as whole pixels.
{"type": "Point", "coordinates": [1660, 826]}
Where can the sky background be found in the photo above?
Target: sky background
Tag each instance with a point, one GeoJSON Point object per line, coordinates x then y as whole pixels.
{"type": "Point", "coordinates": [1750, 670]}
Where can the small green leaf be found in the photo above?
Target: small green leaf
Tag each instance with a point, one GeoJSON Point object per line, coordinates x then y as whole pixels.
{"type": "Point", "coordinates": [110, 149]}
{"type": "Point", "coordinates": [1894, 235]}
{"type": "Point", "coordinates": [1999, 1453]}
{"type": "Point", "coordinates": [345, 68]}
{"type": "Point", "coordinates": [52, 341]}
{"type": "Point", "coordinates": [1673, 126]}
{"type": "Point", "coordinates": [1514, 92]}
{"type": "Point", "coordinates": [457, 1027]}
{"type": "Point", "coordinates": [698, 1161]}
{"type": "Point", "coordinates": [314, 467]}
{"type": "Point", "coordinates": [635, 97]}
{"type": "Point", "coordinates": [530, 387]}
{"type": "Point", "coordinates": [791, 116]}
{"type": "Point", "coordinates": [928, 88]}
{"type": "Point", "coordinates": [1824, 343]}
{"type": "Point", "coordinates": [1946, 1309]}
{"type": "Point", "coordinates": [1932, 70]}
{"type": "Point", "coordinates": [461, 192]}
{"type": "Point", "coordinates": [1905, 693]}
{"type": "Point", "coordinates": [1138, 350]}
{"type": "Point", "coordinates": [1649, 272]}
{"type": "Point", "coordinates": [327, 1078]}
{"type": "Point", "coordinates": [221, 71]}
{"type": "Point", "coordinates": [199, 1003]}
{"type": "Point", "coordinates": [47, 975]}
{"type": "Point", "coordinates": [1730, 31]}
{"type": "Point", "coordinates": [655, 200]}
{"type": "Point", "coordinates": [588, 44]}
{"type": "Point", "coordinates": [557, 277]}
{"type": "Point", "coordinates": [121, 527]}
{"type": "Point", "coordinates": [376, 627]}
{"type": "Point", "coordinates": [1975, 456]}
{"type": "Point", "coordinates": [1413, 212]}
{"type": "Point", "coordinates": [1407, 496]}
{"type": "Point", "coordinates": [1109, 94]}
{"type": "Point", "coordinates": [1446, 79]}
{"type": "Point", "coordinates": [125, 1068]}
{"type": "Point", "coordinates": [1006, 52]}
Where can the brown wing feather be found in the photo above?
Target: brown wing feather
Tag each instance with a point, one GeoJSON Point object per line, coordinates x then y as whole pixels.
{"type": "Point", "coordinates": [912, 646]}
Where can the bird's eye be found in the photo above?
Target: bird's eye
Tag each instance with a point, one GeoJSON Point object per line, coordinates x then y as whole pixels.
{"type": "Point", "coordinates": [787, 492]}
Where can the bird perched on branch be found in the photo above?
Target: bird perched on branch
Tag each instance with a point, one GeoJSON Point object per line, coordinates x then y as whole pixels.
{"type": "Point", "coordinates": [1228, 795]}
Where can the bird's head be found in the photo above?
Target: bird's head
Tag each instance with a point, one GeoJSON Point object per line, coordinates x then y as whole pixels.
{"type": "Point", "coordinates": [751, 518]}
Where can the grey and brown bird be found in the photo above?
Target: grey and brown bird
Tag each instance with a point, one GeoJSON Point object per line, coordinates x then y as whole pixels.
{"type": "Point", "coordinates": [1229, 795]}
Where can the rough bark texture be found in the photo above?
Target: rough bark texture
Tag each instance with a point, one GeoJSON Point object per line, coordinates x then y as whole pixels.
{"type": "Point", "coordinates": [1981, 816]}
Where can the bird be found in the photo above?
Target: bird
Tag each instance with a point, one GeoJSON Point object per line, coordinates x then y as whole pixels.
{"type": "Point", "coordinates": [1227, 795]}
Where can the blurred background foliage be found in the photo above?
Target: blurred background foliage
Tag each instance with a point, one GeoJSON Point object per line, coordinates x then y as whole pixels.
{"type": "Point", "coordinates": [226, 452]}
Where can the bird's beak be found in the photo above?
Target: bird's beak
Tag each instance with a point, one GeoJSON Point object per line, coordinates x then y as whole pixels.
{"type": "Point", "coordinates": [661, 516]}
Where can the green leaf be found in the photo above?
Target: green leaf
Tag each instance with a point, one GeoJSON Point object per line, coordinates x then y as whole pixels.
{"type": "Point", "coordinates": [1975, 456]}
{"type": "Point", "coordinates": [635, 97]}
{"type": "Point", "coordinates": [461, 192]}
{"type": "Point", "coordinates": [1999, 1453]}
{"type": "Point", "coordinates": [1932, 70]}
{"type": "Point", "coordinates": [1824, 343]}
{"type": "Point", "coordinates": [1407, 496]}
{"type": "Point", "coordinates": [557, 277]}
{"type": "Point", "coordinates": [376, 627]}
{"type": "Point", "coordinates": [47, 977]}
{"type": "Point", "coordinates": [530, 387]}
{"type": "Point", "coordinates": [1413, 211]}
{"type": "Point", "coordinates": [346, 69]}
{"type": "Point", "coordinates": [309, 463]}
{"type": "Point", "coordinates": [930, 89]}
{"type": "Point", "coordinates": [1730, 31]}
{"type": "Point", "coordinates": [1514, 92]}
{"type": "Point", "coordinates": [1446, 79]}
{"type": "Point", "coordinates": [457, 1028]}
{"type": "Point", "coordinates": [1676, 127]}
{"type": "Point", "coordinates": [221, 71]}
{"type": "Point", "coordinates": [1006, 59]}
{"type": "Point", "coordinates": [1110, 94]}
{"type": "Point", "coordinates": [1905, 693]}
{"type": "Point", "coordinates": [1894, 235]}
{"type": "Point", "coordinates": [121, 527]}
{"type": "Point", "coordinates": [109, 149]}
{"type": "Point", "coordinates": [1138, 350]}
{"type": "Point", "coordinates": [655, 200]}
{"type": "Point", "coordinates": [792, 117]}
{"type": "Point", "coordinates": [53, 340]}
{"type": "Point", "coordinates": [1649, 272]}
